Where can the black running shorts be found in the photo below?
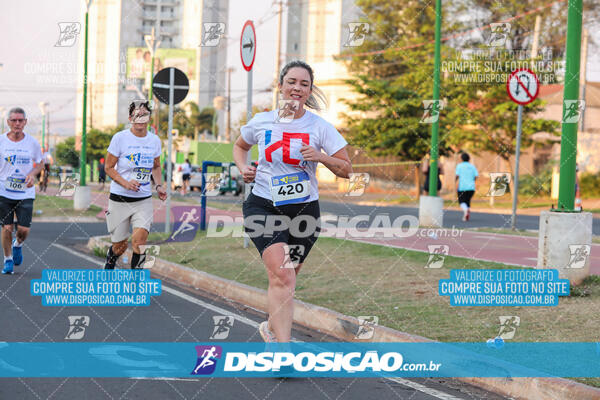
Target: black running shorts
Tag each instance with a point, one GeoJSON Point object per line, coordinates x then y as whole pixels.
{"type": "Point", "coordinates": [267, 224]}
{"type": "Point", "coordinates": [23, 209]}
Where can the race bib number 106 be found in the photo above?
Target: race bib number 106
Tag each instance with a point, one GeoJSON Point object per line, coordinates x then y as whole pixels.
{"type": "Point", "coordinates": [13, 184]}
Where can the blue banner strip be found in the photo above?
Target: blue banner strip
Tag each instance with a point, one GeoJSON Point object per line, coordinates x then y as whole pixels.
{"type": "Point", "coordinates": [222, 359]}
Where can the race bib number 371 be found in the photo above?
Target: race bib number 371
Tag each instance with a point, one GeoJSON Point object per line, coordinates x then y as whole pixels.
{"type": "Point", "coordinates": [290, 189]}
{"type": "Point", "coordinates": [142, 175]}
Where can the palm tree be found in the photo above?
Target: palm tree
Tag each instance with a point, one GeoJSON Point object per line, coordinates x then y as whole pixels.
{"type": "Point", "coordinates": [201, 120]}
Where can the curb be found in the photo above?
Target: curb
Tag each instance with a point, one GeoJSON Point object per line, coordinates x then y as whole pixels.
{"type": "Point", "coordinates": [344, 327]}
{"type": "Point", "coordinates": [66, 219]}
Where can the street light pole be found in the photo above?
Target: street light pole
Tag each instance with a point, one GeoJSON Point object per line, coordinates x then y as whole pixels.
{"type": "Point", "coordinates": [82, 197]}
{"type": "Point", "coordinates": [434, 154]}
{"type": "Point", "coordinates": [568, 144]}
{"type": "Point", "coordinates": [43, 106]}
{"type": "Point", "coordinates": [152, 45]}
{"type": "Point", "coordinates": [82, 158]}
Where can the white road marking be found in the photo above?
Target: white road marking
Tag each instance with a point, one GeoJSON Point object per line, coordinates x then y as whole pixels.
{"type": "Point", "coordinates": [417, 386]}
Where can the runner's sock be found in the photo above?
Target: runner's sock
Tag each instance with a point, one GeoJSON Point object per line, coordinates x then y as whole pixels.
{"type": "Point", "coordinates": [464, 207]}
{"type": "Point", "coordinates": [137, 260]}
{"type": "Point", "coordinates": [111, 259]}
{"type": "Point", "coordinates": [16, 243]}
{"type": "Point", "coordinates": [7, 258]}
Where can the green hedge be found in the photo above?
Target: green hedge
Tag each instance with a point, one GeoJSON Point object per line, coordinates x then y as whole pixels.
{"type": "Point", "coordinates": [589, 184]}
{"type": "Point", "coordinates": [539, 185]}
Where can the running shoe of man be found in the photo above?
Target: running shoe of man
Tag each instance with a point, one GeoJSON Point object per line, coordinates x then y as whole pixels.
{"type": "Point", "coordinates": [17, 252]}
{"type": "Point", "coordinates": [8, 267]}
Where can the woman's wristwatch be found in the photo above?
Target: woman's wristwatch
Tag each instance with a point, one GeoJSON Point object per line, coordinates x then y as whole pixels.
{"type": "Point", "coordinates": [155, 186]}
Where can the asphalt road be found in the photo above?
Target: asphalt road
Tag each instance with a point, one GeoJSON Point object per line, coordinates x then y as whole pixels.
{"type": "Point", "coordinates": [174, 316]}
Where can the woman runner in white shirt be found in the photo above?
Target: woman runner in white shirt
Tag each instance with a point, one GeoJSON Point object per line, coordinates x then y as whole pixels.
{"type": "Point", "coordinates": [286, 187]}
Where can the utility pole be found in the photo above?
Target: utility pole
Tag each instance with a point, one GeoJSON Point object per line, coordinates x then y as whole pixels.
{"type": "Point", "coordinates": [152, 43]}
{"type": "Point", "coordinates": [434, 154]}
{"type": "Point", "coordinates": [83, 194]}
{"type": "Point", "coordinates": [536, 38]}
{"type": "Point", "coordinates": [228, 134]}
{"type": "Point", "coordinates": [568, 144]}
{"type": "Point", "coordinates": [3, 117]}
{"type": "Point", "coordinates": [43, 106]}
{"type": "Point", "coordinates": [82, 158]}
{"type": "Point", "coordinates": [278, 56]}
{"type": "Point", "coordinates": [583, 80]}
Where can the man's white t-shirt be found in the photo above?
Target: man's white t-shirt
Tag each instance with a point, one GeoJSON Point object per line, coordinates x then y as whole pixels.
{"type": "Point", "coordinates": [279, 146]}
{"type": "Point", "coordinates": [136, 158]}
{"type": "Point", "coordinates": [16, 161]}
{"type": "Point", "coordinates": [186, 168]}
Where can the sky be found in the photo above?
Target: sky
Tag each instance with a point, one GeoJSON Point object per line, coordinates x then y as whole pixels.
{"type": "Point", "coordinates": [34, 70]}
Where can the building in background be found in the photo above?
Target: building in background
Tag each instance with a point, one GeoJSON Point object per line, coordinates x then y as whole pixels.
{"type": "Point", "coordinates": [119, 61]}
{"type": "Point", "coordinates": [318, 30]}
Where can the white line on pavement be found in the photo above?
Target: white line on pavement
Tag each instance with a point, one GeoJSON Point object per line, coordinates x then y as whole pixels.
{"type": "Point", "coordinates": [417, 386]}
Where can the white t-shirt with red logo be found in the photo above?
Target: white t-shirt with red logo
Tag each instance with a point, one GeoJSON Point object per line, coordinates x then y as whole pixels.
{"type": "Point", "coordinates": [16, 162]}
{"type": "Point", "coordinates": [279, 159]}
{"type": "Point", "coordinates": [136, 158]}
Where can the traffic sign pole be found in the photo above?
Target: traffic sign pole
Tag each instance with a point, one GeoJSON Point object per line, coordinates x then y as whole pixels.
{"type": "Point", "coordinates": [170, 146]}
{"type": "Point", "coordinates": [247, 54]}
{"type": "Point", "coordinates": [170, 86]}
{"type": "Point", "coordinates": [516, 177]}
{"type": "Point", "coordinates": [523, 87]}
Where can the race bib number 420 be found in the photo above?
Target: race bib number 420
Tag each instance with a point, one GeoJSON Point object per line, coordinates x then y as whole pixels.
{"type": "Point", "coordinates": [290, 189]}
{"type": "Point", "coordinates": [13, 184]}
{"type": "Point", "coordinates": [142, 175]}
